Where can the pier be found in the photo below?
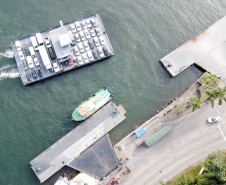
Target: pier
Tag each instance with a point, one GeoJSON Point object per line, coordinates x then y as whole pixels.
{"type": "Point", "coordinates": [73, 148]}
{"type": "Point", "coordinates": [206, 50]}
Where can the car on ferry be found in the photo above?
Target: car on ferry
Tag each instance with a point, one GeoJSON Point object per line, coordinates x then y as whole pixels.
{"type": "Point", "coordinates": [33, 73]}
{"type": "Point", "coordinates": [84, 25]}
{"type": "Point", "coordinates": [48, 45]}
{"type": "Point", "coordinates": [100, 51]}
{"type": "Point", "coordinates": [21, 55]}
{"type": "Point", "coordinates": [98, 32]}
{"type": "Point", "coordinates": [36, 61]}
{"type": "Point", "coordinates": [96, 41]}
{"type": "Point", "coordinates": [85, 58]}
{"type": "Point", "coordinates": [28, 76]}
{"type": "Point", "coordinates": [90, 55]}
{"type": "Point", "coordinates": [73, 29]}
{"type": "Point", "coordinates": [56, 67]}
{"type": "Point", "coordinates": [32, 51]}
{"type": "Point", "coordinates": [93, 21]}
{"type": "Point", "coordinates": [91, 45]}
{"type": "Point", "coordinates": [86, 32]}
{"type": "Point", "coordinates": [92, 32]}
{"type": "Point", "coordinates": [25, 66]}
{"type": "Point", "coordinates": [101, 39]}
{"type": "Point", "coordinates": [86, 45]}
{"type": "Point", "coordinates": [82, 35]}
{"type": "Point", "coordinates": [81, 48]}
{"type": "Point", "coordinates": [88, 23]}
{"type": "Point", "coordinates": [78, 26]}
{"type": "Point", "coordinates": [106, 52]}
{"type": "Point", "coordinates": [34, 42]}
{"type": "Point", "coordinates": [77, 37]}
{"type": "Point", "coordinates": [80, 60]}
{"type": "Point", "coordinates": [52, 56]}
{"type": "Point", "coordinates": [30, 62]}
{"type": "Point", "coordinates": [95, 55]}
{"type": "Point", "coordinates": [70, 62]}
{"type": "Point", "coordinates": [26, 51]}
{"type": "Point", "coordinates": [18, 45]}
{"type": "Point", "coordinates": [76, 50]}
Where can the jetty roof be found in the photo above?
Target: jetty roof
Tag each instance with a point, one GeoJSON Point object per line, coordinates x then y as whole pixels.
{"type": "Point", "coordinates": [71, 146]}
{"type": "Point", "coordinates": [207, 50]}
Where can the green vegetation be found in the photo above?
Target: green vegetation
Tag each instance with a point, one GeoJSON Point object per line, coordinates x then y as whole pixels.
{"type": "Point", "coordinates": [214, 173]}
{"type": "Point", "coordinates": [209, 80]}
{"type": "Point", "coordinates": [181, 107]}
{"type": "Point", "coordinates": [195, 103]}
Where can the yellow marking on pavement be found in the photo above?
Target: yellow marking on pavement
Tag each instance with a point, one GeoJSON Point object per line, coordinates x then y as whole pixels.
{"type": "Point", "coordinates": [167, 150]}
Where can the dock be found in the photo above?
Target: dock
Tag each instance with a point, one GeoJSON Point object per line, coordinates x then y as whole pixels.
{"type": "Point", "coordinates": [65, 45]}
{"type": "Point", "coordinates": [75, 146]}
{"type": "Point", "coordinates": [206, 50]}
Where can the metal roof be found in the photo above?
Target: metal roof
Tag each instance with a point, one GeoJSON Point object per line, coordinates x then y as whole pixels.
{"type": "Point", "coordinates": [140, 132]}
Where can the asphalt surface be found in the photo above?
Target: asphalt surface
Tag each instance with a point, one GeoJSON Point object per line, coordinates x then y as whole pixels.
{"type": "Point", "coordinates": [189, 143]}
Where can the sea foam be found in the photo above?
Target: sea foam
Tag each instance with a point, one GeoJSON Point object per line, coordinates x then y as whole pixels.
{"type": "Point", "coordinates": [8, 54]}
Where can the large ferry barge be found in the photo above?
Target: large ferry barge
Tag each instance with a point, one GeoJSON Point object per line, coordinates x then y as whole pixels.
{"type": "Point", "coordinates": [91, 105]}
{"type": "Point", "coordinates": [62, 48]}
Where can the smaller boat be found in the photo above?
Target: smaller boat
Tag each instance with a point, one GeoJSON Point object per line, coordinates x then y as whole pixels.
{"type": "Point", "coordinates": [91, 105]}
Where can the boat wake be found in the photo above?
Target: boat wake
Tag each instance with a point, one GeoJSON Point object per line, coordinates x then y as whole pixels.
{"type": "Point", "coordinates": [8, 54]}
{"type": "Point", "coordinates": [8, 72]}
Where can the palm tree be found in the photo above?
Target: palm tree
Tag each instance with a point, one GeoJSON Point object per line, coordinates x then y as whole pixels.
{"type": "Point", "coordinates": [222, 95]}
{"type": "Point", "coordinates": [195, 103]}
{"type": "Point", "coordinates": [213, 78]}
{"type": "Point", "coordinates": [212, 96]}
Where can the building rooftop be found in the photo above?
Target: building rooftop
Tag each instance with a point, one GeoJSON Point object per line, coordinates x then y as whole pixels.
{"type": "Point", "coordinates": [60, 39]}
{"type": "Point", "coordinates": [72, 145]}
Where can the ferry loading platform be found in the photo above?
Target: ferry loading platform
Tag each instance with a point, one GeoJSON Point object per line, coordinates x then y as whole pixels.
{"type": "Point", "coordinates": [207, 50]}
{"type": "Point", "coordinates": [61, 49]}
{"type": "Point", "coordinates": [78, 148]}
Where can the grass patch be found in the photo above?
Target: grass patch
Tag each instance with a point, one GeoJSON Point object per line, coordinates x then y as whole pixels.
{"type": "Point", "coordinates": [190, 174]}
{"type": "Point", "coordinates": [181, 107]}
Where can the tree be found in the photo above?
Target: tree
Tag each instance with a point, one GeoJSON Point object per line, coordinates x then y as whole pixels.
{"type": "Point", "coordinates": [195, 103]}
{"type": "Point", "coordinates": [212, 96]}
{"type": "Point", "coordinates": [222, 95]}
{"type": "Point", "coordinates": [213, 78]}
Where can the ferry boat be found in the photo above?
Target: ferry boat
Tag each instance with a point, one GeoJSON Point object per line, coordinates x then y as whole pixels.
{"type": "Point", "coordinates": [91, 105]}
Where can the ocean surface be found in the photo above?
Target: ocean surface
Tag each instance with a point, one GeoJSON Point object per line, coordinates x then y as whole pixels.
{"type": "Point", "coordinates": [141, 32]}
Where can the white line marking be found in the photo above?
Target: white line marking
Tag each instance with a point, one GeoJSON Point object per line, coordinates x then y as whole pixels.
{"type": "Point", "coordinates": [221, 132]}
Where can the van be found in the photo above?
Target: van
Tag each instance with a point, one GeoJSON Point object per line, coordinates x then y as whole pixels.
{"type": "Point", "coordinates": [32, 51]}
{"type": "Point", "coordinates": [30, 62]}
{"type": "Point", "coordinates": [34, 42]}
{"type": "Point", "coordinates": [39, 38]}
{"type": "Point", "coordinates": [18, 46]}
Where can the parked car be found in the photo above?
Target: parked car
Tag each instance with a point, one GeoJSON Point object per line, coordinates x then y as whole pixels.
{"type": "Point", "coordinates": [21, 55]}
{"type": "Point", "coordinates": [100, 51]}
{"type": "Point", "coordinates": [83, 24]}
{"type": "Point", "coordinates": [80, 46]}
{"type": "Point", "coordinates": [85, 58]}
{"type": "Point", "coordinates": [82, 35]}
{"type": "Point", "coordinates": [95, 55]}
{"type": "Point", "coordinates": [70, 62]}
{"type": "Point", "coordinates": [56, 67]}
{"type": "Point", "coordinates": [73, 29]}
{"type": "Point", "coordinates": [78, 26]}
{"type": "Point", "coordinates": [88, 23]}
{"type": "Point", "coordinates": [48, 45]}
{"type": "Point", "coordinates": [28, 76]}
{"type": "Point", "coordinates": [30, 62]}
{"type": "Point", "coordinates": [98, 32]}
{"type": "Point", "coordinates": [91, 44]}
{"type": "Point", "coordinates": [18, 45]}
{"type": "Point", "coordinates": [86, 32]}
{"type": "Point", "coordinates": [93, 21]}
{"type": "Point", "coordinates": [34, 75]}
{"type": "Point", "coordinates": [26, 51]}
{"type": "Point", "coordinates": [52, 56]}
{"type": "Point", "coordinates": [32, 51]}
{"type": "Point", "coordinates": [80, 60]}
{"type": "Point", "coordinates": [92, 32]}
{"type": "Point", "coordinates": [86, 45]}
{"type": "Point", "coordinates": [214, 119]}
{"type": "Point", "coordinates": [39, 72]}
{"type": "Point", "coordinates": [76, 50]}
{"type": "Point", "coordinates": [96, 41]}
{"type": "Point", "coordinates": [101, 39]}
{"type": "Point", "coordinates": [106, 53]}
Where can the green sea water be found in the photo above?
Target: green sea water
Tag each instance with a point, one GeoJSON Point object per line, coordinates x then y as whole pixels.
{"type": "Point", "coordinates": [141, 32]}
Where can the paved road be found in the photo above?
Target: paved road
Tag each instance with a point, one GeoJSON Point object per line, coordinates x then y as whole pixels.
{"type": "Point", "coordinates": [191, 140]}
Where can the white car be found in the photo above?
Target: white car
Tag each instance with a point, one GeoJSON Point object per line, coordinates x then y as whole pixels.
{"type": "Point", "coordinates": [81, 48]}
{"type": "Point", "coordinates": [76, 50]}
{"type": "Point", "coordinates": [214, 119]}
{"type": "Point", "coordinates": [85, 58]}
{"type": "Point", "coordinates": [100, 51]}
{"type": "Point", "coordinates": [98, 32]}
{"type": "Point", "coordinates": [18, 46]}
{"type": "Point", "coordinates": [86, 45]}
{"type": "Point", "coordinates": [77, 25]}
{"type": "Point", "coordinates": [101, 39]}
{"type": "Point", "coordinates": [84, 25]}
{"type": "Point", "coordinates": [90, 55]}
{"type": "Point", "coordinates": [96, 41]}
{"type": "Point", "coordinates": [77, 37]}
{"type": "Point", "coordinates": [36, 61]}
{"type": "Point", "coordinates": [56, 67]}
{"type": "Point", "coordinates": [32, 51]}
{"type": "Point", "coordinates": [93, 21]}
{"type": "Point", "coordinates": [48, 45]}
{"type": "Point", "coordinates": [73, 29]}
{"type": "Point", "coordinates": [80, 61]}
{"type": "Point", "coordinates": [86, 31]}
{"type": "Point", "coordinates": [92, 32]}
{"type": "Point", "coordinates": [82, 35]}
{"type": "Point", "coordinates": [88, 23]}
{"type": "Point", "coordinates": [21, 55]}
{"type": "Point", "coordinates": [30, 62]}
